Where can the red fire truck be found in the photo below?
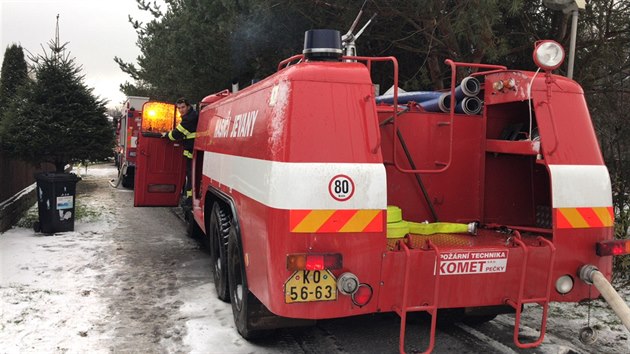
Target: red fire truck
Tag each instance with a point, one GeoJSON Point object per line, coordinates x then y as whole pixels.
{"type": "Point", "coordinates": [127, 135]}
{"type": "Point", "coordinates": [319, 203]}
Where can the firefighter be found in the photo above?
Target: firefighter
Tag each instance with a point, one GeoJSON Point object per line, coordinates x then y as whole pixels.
{"type": "Point", "coordinates": [186, 131]}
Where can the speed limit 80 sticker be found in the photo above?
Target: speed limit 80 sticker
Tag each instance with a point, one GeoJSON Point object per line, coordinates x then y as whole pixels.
{"type": "Point", "coordinates": [341, 188]}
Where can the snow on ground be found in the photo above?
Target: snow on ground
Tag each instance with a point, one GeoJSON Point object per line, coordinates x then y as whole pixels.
{"type": "Point", "coordinates": [567, 319]}
{"type": "Point", "coordinates": [49, 284]}
{"type": "Point", "coordinates": [98, 290]}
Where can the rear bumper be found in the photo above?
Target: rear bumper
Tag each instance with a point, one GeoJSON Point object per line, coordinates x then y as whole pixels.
{"type": "Point", "coordinates": [490, 269]}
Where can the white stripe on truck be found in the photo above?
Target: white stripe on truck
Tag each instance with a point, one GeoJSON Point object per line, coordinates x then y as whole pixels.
{"type": "Point", "coordinates": [292, 185]}
{"type": "Point", "coordinates": [578, 186]}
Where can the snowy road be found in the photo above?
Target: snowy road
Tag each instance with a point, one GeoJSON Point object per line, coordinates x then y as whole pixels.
{"type": "Point", "coordinates": [129, 280]}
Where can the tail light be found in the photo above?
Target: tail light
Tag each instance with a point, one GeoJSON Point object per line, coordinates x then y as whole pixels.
{"type": "Point", "coordinates": [319, 261]}
{"type": "Point", "coordinates": [363, 295]}
{"type": "Point", "coordinates": [613, 248]}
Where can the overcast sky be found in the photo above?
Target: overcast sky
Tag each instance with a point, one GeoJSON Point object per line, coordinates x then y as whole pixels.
{"type": "Point", "coordinates": [97, 30]}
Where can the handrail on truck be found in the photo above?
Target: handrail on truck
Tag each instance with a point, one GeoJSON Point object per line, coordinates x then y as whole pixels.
{"type": "Point", "coordinates": [454, 65]}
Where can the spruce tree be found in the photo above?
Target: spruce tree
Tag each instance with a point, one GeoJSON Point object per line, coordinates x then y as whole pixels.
{"type": "Point", "coordinates": [14, 74]}
{"type": "Point", "coordinates": [57, 119]}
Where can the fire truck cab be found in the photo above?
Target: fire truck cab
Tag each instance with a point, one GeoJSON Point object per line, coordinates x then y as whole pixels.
{"type": "Point", "coordinates": [318, 203]}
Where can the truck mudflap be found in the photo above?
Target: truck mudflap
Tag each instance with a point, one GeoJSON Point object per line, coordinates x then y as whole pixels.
{"type": "Point", "coordinates": [440, 259]}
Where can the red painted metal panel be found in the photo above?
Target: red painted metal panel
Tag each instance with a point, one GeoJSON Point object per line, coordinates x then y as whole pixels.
{"type": "Point", "coordinates": [559, 109]}
{"type": "Point", "coordinates": [329, 105]}
{"type": "Point", "coordinates": [267, 241]}
{"type": "Point", "coordinates": [332, 119]}
{"type": "Point", "coordinates": [456, 193]}
{"type": "Point", "coordinates": [161, 169]}
{"type": "Point", "coordinates": [160, 172]}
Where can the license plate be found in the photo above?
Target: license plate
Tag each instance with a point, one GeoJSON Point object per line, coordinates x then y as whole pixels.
{"type": "Point", "coordinates": [310, 285]}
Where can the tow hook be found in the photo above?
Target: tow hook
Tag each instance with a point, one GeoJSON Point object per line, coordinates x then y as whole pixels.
{"type": "Point", "coordinates": [592, 276]}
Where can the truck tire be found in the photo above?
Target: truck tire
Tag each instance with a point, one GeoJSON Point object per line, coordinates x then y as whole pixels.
{"type": "Point", "coordinates": [246, 308]}
{"type": "Point", "coordinates": [218, 234]}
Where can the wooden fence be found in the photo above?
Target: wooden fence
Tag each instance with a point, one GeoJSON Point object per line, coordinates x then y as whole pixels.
{"type": "Point", "coordinates": [15, 175]}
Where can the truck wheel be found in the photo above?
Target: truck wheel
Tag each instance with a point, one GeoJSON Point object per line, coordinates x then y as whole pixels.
{"type": "Point", "coordinates": [245, 306]}
{"type": "Point", "coordinates": [218, 240]}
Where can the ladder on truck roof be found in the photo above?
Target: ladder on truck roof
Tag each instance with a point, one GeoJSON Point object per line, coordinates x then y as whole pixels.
{"type": "Point", "coordinates": [517, 303]}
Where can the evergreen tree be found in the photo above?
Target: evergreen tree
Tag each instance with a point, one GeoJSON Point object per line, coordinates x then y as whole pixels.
{"type": "Point", "coordinates": [14, 74]}
{"type": "Point", "coordinates": [57, 119]}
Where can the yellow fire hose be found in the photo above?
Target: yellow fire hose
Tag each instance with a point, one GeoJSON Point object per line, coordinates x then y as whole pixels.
{"type": "Point", "coordinates": [397, 227]}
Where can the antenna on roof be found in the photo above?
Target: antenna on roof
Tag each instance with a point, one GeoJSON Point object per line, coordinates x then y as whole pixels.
{"type": "Point", "coordinates": [348, 40]}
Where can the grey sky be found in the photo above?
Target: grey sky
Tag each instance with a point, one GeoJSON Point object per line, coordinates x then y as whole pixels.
{"type": "Point", "coordinates": [97, 30]}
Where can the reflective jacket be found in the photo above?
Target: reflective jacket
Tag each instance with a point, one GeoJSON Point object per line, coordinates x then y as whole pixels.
{"type": "Point", "coordinates": [186, 131]}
